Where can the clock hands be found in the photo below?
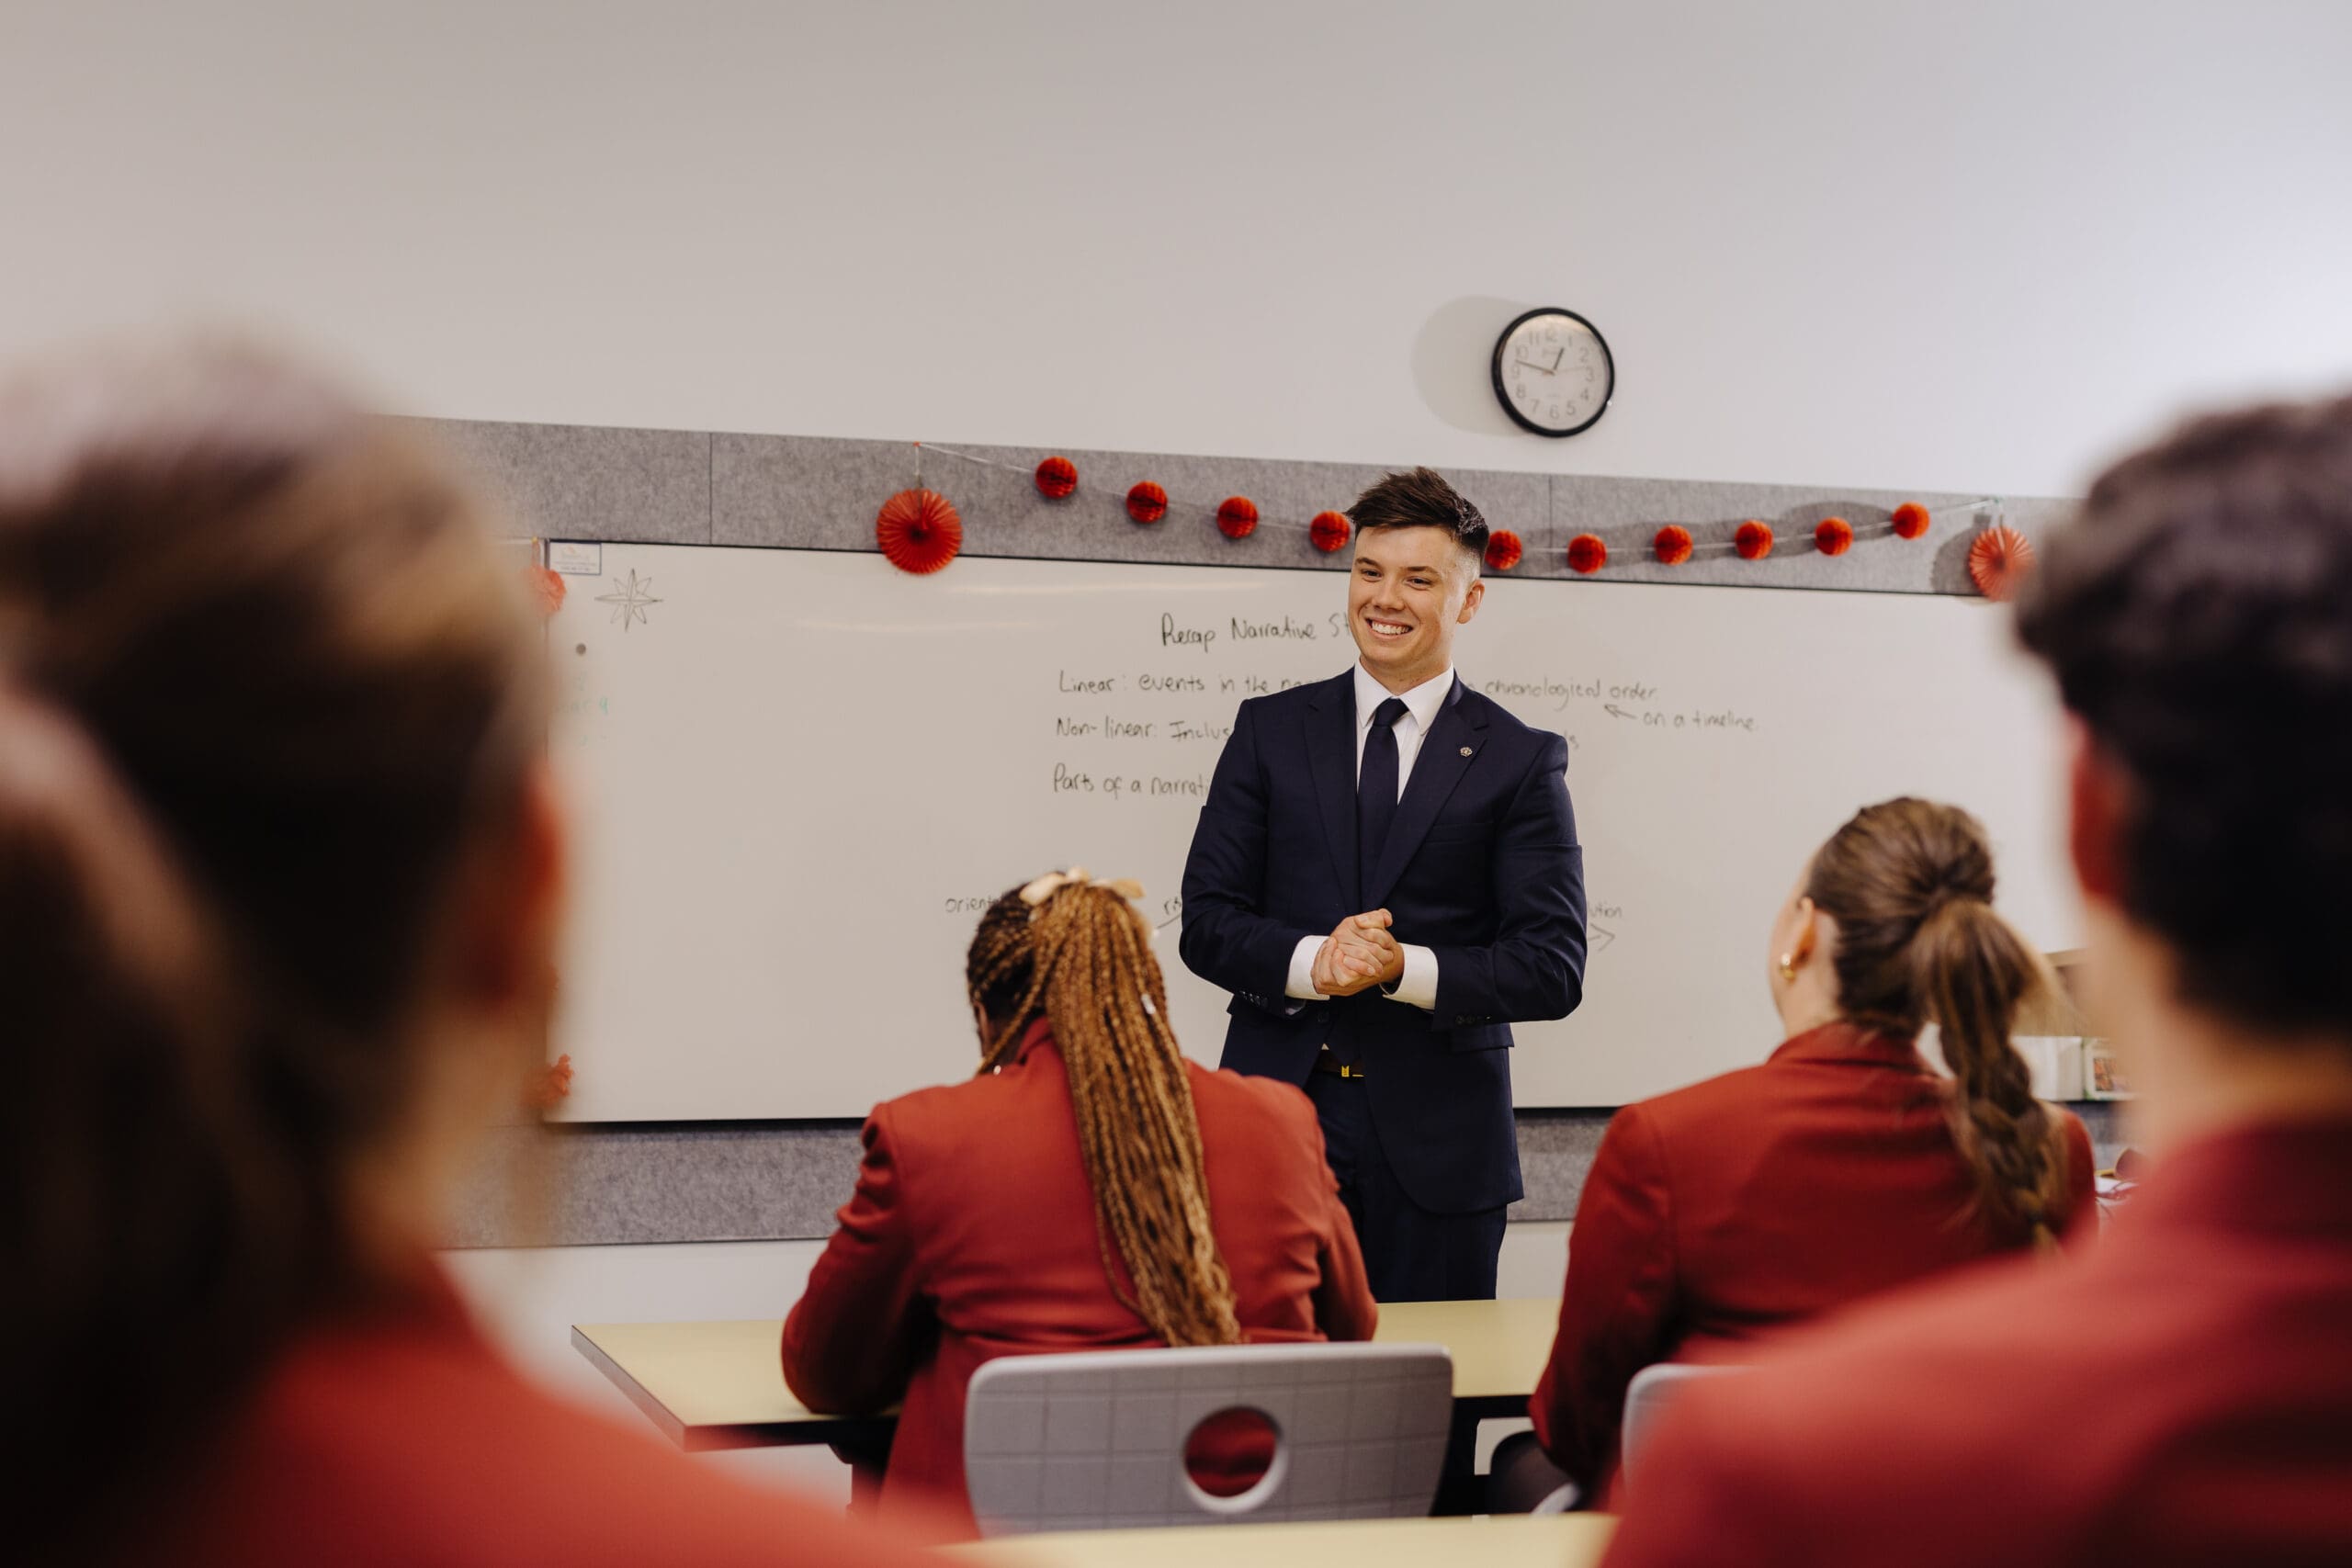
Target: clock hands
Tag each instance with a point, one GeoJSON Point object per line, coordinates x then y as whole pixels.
{"type": "Point", "coordinates": [1577, 371]}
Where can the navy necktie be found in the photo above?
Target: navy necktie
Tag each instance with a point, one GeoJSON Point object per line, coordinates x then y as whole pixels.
{"type": "Point", "coordinates": [1376, 792]}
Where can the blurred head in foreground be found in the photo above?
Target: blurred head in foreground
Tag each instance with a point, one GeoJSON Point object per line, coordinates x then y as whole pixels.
{"type": "Point", "coordinates": [2199, 621]}
{"type": "Point", "coordinates": [279, 874]}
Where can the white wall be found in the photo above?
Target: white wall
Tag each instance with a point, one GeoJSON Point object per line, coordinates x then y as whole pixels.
{"type": "Point", "coordinates": [1923, 246]}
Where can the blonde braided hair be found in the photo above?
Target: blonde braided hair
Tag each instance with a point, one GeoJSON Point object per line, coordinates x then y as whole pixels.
{"type": "Point", "coordinates": [1076, 954]}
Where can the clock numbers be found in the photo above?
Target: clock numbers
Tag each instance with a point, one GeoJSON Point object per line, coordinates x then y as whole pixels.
{"type": "Point", "coordinates": [1553, 372]}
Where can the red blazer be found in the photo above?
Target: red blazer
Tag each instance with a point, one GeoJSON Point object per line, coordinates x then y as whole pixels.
{"type": "Point", "coordinates": [1754, 1200]}
{"type": "Point", "coordinates": [400, 1438]}
{"type": "Point", "coordinates": [2180, 1395]}
{"type": "Point", "coordinates": [972, 1235]}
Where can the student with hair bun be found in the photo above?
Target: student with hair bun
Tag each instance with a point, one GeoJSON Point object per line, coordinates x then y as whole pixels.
{"type": "Point", "coordinates": [1092, 1188]}
{"type": "Point", "coordinates": [280, 873]}
{"type": "Point", "coordinates": [1844, 1166]}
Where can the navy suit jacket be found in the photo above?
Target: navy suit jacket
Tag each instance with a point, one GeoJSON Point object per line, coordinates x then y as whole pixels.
{"type": "Point", "coordinates": [1481, 867]}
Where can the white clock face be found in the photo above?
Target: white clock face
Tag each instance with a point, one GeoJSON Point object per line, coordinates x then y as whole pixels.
{"type": "Point", "coordinates": [1554, 372]}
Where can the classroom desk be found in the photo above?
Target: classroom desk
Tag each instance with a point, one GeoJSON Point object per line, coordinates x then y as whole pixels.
{"type": "Point", "coordinates": [720, 1385]}
{"type": "Point", "coordinates": [1561, 1540]}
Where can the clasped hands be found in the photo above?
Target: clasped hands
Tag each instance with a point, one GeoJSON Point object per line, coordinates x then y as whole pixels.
{"type": "Point", "coordinates": [1359, 953]}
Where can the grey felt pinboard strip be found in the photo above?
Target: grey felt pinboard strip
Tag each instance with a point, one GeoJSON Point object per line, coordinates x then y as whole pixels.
{"type": "Point", "coordinates": [821, 492]}
{"type": "Point", "coordinates": [588, 481]}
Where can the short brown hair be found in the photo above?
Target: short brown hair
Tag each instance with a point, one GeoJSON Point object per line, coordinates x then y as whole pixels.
{"type": "Point", "coordinates": [2198, 616]}
{"type": "Point", "coordinates": [1419, 498]}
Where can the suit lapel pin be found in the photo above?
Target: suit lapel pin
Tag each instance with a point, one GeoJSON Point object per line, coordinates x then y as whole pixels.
{"type": "Point", "coordinates": [1465, 751]}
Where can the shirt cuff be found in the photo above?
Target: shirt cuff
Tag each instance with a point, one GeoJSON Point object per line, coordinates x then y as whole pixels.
{"type": "Point", "coordinates": [1417, 986]}
{"type": "Point", "coordinates": [1301, 985]}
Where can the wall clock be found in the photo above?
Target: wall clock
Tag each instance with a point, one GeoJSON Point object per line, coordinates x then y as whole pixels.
{"type": "Point", "coordinates": [1553, 372]}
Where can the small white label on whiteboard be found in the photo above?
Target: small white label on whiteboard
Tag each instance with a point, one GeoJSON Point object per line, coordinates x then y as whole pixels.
{"type": "Point", "coordinates": [574, 558]}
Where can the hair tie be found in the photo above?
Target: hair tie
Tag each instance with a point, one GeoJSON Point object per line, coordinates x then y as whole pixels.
{"type": "Point", "coordinates": [1945, 893]}
{"type": "Point", "coordinates": [1044, 887]}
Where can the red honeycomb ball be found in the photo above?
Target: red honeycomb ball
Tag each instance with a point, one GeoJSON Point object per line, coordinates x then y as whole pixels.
{"type": "Point", "coordinates": [1146, 503]}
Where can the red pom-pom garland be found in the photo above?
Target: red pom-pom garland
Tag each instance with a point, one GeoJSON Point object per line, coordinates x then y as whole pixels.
{"type": "Point", "coordinates": [1586, 554]}
{"type": "Point", "coordinates": [2000, 560]}
{"type": "Point", "coordinates": [1057, 477]}
{"type": "Point", "coordinates": [1832, 536]}
{"type": "Point", "coordinates": [1503, 550]}
{"type": "Point", "coordinates": [1330, 531]}
{"type": "Point", "coordinates": [1237, 516]}
{"type": "Point", "coordinates": [1146, 503]}
{"type": "Point", "coordinates": [1672, 546]}
{"type": "Point", "coordinates": [1910, 520]}
{"type": "Point", "coordinates": [1754, 540]}
{"type": "Point", "coordinates": [919, 531]}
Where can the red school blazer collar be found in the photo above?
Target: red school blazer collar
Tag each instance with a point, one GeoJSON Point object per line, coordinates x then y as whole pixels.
{"type": "Point", "coordinates": [1842, 1040]}
{"type": "Point", "coordinates": [1039, 1032]}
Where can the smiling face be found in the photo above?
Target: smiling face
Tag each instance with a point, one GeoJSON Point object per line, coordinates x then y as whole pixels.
{"type": "Point", "coordinates": [1410, 589]}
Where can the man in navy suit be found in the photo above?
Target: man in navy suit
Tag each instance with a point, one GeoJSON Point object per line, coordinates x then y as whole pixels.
{"type": "Point", "coordinates": [1385, 876]}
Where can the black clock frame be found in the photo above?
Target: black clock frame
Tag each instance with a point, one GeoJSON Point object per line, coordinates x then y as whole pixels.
{"type": "Point", "coordinates": [1608, 360]}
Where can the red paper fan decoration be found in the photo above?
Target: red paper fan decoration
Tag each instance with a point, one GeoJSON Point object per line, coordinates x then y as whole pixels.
{"type": "Point", "coordinates": [2000, 560]}
{"type": "Point", "coordinates": [1910, 520]}
{"type": "Point", "coordinates": [547, 587]}
{"type": "Point", "coordinates": [1146, 503]}
{"type": "Point", "coordinates": [1057, 477]}
{"type": "Point", "coordinates": [1330, 531]}
{"type": "Point", "coordinates": [1503, 550]}
{"type": "Point", "coordinates": [1586, 554]}
{"type": "Point", "coordinates": [1237, 516]}
{"type": "Point", "coordinates": [1754, 540]}
{"type": "Point", "coordinates": [1672, 546]}
{"type": "Point", "coordinates": [919, 531]}
{"type": "Point", "coordinates": [1832, 536]}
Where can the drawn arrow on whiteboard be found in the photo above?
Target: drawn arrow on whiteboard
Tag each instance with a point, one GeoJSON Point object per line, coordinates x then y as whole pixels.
{"type": "Point", "coordinates": [1613, 711]}
{"type": "Point", "coordinates": [1606, 936]}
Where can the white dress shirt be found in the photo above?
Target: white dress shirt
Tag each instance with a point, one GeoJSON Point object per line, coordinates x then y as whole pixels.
{"type": "Point", "coordinates": [1417, 986]}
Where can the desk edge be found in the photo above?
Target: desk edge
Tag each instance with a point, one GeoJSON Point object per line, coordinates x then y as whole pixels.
{"type": "Point", "coordinates": [820, 1429]}
{"type": "Point", "coordinates": [638, 1394]}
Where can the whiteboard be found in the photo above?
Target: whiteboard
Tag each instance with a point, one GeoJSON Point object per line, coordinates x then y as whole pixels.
{"type": "Point", "coordinates": [798, 776]}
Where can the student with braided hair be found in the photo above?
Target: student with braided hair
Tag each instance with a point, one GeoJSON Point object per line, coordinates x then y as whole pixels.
{"type": "Point", "coordinates": [1090, 1188]}
{"type": "Point", "coordinates": [1840, 1168]}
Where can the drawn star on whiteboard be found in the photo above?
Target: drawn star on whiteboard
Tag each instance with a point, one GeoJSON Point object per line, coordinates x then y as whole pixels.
{"type": "Point", "coordinates": [629, 600]}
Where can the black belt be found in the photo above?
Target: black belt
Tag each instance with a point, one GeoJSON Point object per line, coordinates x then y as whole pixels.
{"type": "Point", "coordinates": [1327, 1063]}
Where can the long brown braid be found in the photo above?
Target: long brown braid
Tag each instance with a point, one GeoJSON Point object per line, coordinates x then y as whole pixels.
{"type": "Point", "coordinates": [1081, 958]}
{"type": "Point", "coordinates": [1910, 885]}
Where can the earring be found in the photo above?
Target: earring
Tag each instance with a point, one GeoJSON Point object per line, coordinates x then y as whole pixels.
{"type": "Point", "coordinates": [1787, 966]}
